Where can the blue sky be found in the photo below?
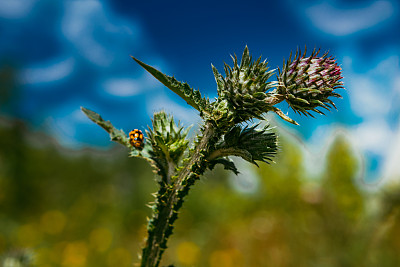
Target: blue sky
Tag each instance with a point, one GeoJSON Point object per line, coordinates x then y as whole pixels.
{"type": "Point", "coordinates": [76, 53]}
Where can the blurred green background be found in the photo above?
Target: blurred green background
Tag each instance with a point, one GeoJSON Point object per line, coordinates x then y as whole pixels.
{"type": "Point", "coordinates": [87, 208]}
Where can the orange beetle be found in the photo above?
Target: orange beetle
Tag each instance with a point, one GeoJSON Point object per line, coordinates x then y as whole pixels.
{"type": "Point", "coordinates": [136, 138]}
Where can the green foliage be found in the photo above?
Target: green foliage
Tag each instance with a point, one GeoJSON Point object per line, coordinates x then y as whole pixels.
{"type": "Point", "coordinates": [340, 183]}
{"type": "Point", "coordinates": [84, 208]}
{"type": "Point", "coordinates": [71, 208]}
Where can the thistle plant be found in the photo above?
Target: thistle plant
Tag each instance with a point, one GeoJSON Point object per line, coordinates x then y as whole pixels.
{"type": "Point", "coordinates": [246, 92]}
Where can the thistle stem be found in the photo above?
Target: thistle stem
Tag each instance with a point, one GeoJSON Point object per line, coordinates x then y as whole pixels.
{"type": "Point", "coordinates": [170, 200]}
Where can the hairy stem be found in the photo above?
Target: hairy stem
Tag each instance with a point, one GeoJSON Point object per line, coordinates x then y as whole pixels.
{"type": "Point", "coordinates": [170, 199]}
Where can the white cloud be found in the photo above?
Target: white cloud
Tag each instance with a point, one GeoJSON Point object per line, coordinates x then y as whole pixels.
{"type": "Point", "coordinates": [373, 97]}
{"type": "Point", "coordinates": [127, 86]}
{"type": "Point", "coordinates": [94, 32]}
{"type": "Point", "coordinates": [396, 84]}
{"type": "Point", "coordinates": [122, 87]}
{"type": "Point", "coordinates": [371, 93]}
{"type": "Point", "coordinates": [78, 25]}
{"type": "Point", "coordinates": [387, 67]}
{"type": "Point", "coordinates": [48, 72]}
{"type": "Point", "coordinates": [373, 136]}
{"type": "Point", "coordinates": [15, 9]}
{"type": "Point", "coordinates": [340, 21]}
{"type": "Point", "coordinates": [365, 97]}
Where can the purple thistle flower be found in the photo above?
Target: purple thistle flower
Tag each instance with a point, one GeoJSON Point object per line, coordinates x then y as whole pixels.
{"type": "Point", "coordinates": [307, 82]}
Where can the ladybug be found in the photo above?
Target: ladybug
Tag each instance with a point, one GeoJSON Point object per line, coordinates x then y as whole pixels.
{"type": "Point", "coordinates": [136, 138]}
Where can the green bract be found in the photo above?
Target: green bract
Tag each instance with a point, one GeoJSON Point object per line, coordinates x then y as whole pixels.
{"type": "Point", "coordinates": [249, 143]}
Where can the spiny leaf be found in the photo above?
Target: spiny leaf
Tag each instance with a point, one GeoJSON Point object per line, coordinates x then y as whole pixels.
{"type": "Point", "coordinates": [115, 134]}
{"type": "Point", "coordinates": [191, 96]}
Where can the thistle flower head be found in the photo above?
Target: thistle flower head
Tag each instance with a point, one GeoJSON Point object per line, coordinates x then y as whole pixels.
{"type": "Point", "coordinates": [168, 141]}
{"type": "Point", "coordinates": [245, 86]}
{"type": "Point", "coordinates": [307, 82]}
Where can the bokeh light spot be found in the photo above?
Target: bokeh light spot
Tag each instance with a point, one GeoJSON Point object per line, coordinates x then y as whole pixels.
{"type": "Point", "coordinates": [100, 239]}
{"type": "Point", "coordinates": [187, 253]}
{"type": "Point", "coordinates": [120, 257]}
{"type": "Point", "coordinates": [226, 258]}
{"type": "Point", "coordinates": [75, 254]}
{"type": "Point", "coordinates": [53, 222]}
{"type": "Point", "coordinates": [28, 236]}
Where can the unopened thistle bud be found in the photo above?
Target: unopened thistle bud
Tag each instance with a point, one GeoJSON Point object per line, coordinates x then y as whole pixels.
{"type": "Point", "coordinates": [307, 82]}
{"type": "Point", "coordinates": [245, 87]}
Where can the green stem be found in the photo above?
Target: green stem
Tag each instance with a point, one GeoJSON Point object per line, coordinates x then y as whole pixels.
{"type": "Point", "coordinates": [230, 151]}
{"type": "Point", "coordinates": [170, 199]}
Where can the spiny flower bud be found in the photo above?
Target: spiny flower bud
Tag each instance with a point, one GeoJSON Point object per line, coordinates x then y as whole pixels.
{"type": "Point", "coordinates": [168, 141]}
{"type": "Point", "coordinates": [245, 86]}
{"type": "Point", "coordinates": [307, 82]}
